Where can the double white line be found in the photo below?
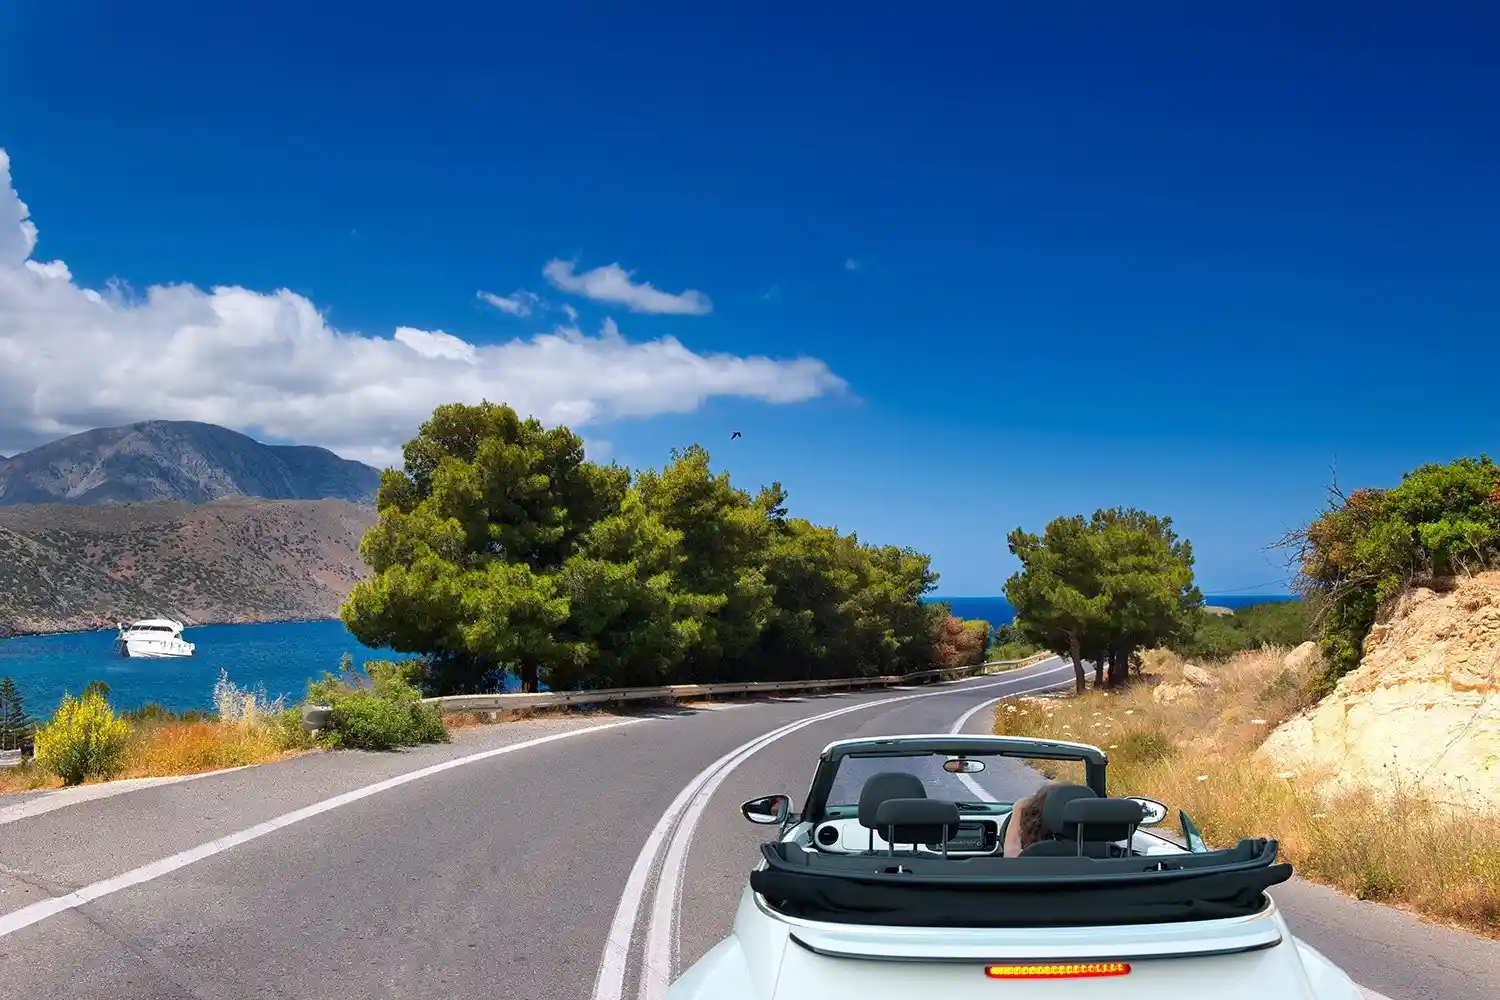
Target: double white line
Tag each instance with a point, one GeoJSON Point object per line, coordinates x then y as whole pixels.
{"type": "Point", "coordinates": [680, 821]}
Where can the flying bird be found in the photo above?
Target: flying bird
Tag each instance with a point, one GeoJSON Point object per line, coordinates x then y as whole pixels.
{"type": "Point", "coordinates": [734, 435]}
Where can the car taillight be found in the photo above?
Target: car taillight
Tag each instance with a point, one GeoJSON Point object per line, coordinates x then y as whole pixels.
{"type": "Point", "coordinates": [1059, 970]}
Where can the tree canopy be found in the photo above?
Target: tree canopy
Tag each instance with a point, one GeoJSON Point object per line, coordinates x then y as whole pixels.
{"type": "Point", "coordinates": [1100, 589]}
{"type": "Point", "coordinates": [15, 725]}
{"type": "Point", "coordinates": [1369, 546]}
{"type": "Point", "coordinates": [499, 548]}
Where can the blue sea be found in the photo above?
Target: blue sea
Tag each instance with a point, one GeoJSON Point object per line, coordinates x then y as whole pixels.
{"type": "Point", "coordinates": [998, 612]}
{"type": "Point", "coordinates": [281, 658]}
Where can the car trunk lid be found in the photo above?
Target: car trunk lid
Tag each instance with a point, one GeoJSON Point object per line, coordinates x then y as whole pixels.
{"type": "Point", "coordinates": [1245, 958]}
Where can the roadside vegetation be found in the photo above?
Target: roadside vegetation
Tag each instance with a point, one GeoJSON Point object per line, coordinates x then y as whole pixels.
{"type": "Point", "coordinates": [1188, 736]}
{"type": "Point", "coordinates": [88, 740]}
{"type": "Point", "coordinates": [1010, 643]}
{"type": "Point", "coordinates": [1252, 627]}
{"type": "Point", "coordinates": [1369, 546]}
{"type": "Point", "coordinates": [501, 550]}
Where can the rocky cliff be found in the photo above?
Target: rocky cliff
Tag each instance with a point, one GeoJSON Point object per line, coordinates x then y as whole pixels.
{"type": "Point", "coordinates": [69, 568]}
{"type": "Point", "coordinates": [1422, 709]}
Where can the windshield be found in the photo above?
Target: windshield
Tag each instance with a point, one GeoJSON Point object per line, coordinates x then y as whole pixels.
{"type": "Point", "coordinates": [993, 789]}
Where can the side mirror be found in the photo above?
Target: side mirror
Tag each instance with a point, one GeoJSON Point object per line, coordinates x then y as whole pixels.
{"type": "Point", "coordinates": [1154, 811]}
{"type": "Point", "coordinates": [1191, 834]}
{"type": "Point", "coordinates": [767, 809]}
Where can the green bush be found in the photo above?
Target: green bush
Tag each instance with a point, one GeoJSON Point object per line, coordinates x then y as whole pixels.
{"type": "Point", "coordinates": [1269, 623]}
{"type": "Point", "coordinates": [379, 711]}
{"type": "Point", "coordinates": [1367, 548]}
{"type": "Point", "coordinates": [85, 739]}
{"type": "Point", "coordinates": [1009, 642]}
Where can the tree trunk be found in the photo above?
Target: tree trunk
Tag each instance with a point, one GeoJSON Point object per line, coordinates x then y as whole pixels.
{"type": "Point", "coordinates": [1075, 650]}
{"type": "Point", "coordinates": [529, 678]}
{"type": "Point", "coordinates": [1099, 674]}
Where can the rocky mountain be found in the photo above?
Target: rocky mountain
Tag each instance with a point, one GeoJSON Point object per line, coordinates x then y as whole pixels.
{"type": "Point", "coordinates": [72, 567]}
{"type": "Point", "coordinates": [178, 460]}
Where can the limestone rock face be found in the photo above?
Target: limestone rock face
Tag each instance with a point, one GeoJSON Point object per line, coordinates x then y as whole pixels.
{"type": "Point", "coordinates": [1422, 709]}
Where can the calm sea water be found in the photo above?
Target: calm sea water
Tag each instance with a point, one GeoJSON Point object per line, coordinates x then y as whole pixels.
{"type": "Point", "coordinates": [997, 610]}
{"type": "Point", "coordinates": [282, 658]}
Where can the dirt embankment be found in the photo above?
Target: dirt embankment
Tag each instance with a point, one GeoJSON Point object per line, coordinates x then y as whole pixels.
{"type": "Point", "coordinates": [1422, 712]}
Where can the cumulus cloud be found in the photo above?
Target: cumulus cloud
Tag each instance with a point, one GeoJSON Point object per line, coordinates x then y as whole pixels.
{"type": "Point", "coordinates": [611, 283]}
{"type": "Point", "coordinates": [72, 358]}
{"type": "Point", "coordinates": [517, 303]}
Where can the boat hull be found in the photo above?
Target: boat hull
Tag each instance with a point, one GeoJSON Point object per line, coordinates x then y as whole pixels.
{"type": "Point", "coordinates": [153, 649]}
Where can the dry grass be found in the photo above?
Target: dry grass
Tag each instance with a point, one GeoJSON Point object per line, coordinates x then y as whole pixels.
{"type": "Point", "coordinates": [193, 747]}
{"type": "Point", "coordinates": [162, 749]}
{"type": "Point", "coordinates": [1196, 748]}
{"type": "Point", "coordinates": [27, 778]}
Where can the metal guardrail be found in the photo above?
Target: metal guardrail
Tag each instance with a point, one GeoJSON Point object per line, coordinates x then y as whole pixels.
{"type": "Point", "coordinates": [673, 692]}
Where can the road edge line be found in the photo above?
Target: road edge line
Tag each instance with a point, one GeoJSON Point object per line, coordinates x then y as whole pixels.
{"type": "Point", "coordinates": [36, 912]}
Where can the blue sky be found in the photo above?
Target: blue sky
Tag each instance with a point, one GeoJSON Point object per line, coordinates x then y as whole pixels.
{"type": "Point", "coordinates": [1061, 257]}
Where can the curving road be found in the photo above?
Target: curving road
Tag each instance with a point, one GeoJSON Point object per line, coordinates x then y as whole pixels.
{"type": "Point", "coordinates": [566, 858]}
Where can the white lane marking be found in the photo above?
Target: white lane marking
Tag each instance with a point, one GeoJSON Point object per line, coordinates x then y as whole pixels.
{"type": "Point", "coordinates": [37, 912]}
{"type": "Point", "coordinates": [615, 958]}
{"type": "Point", "coordinates": [656, 970]}
{"type": "Point", "coordinates": [963, 720]}
{"type": "Point", "coordinates": [48, 801]}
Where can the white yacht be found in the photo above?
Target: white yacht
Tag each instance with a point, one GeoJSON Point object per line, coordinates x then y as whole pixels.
{"type": "Point", "coordinates": [152, 638]}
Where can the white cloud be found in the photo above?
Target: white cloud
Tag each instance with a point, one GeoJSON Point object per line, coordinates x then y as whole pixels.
{"type": "Point", "coordinates": [517, 303]}
{"type": "Point", "coordinates": [611, 283]}
{"type": "Point", "coordinates": [72, 358]}
{"type": "Point", "coordinates": [570, 312]}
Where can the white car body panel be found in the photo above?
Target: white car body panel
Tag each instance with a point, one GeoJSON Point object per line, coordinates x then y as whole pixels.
{"type": "Point", "coordinates": [772, 956]}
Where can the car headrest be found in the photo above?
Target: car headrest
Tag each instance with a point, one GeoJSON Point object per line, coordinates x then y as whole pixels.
{"type": "Point", "coordinates": [917, 821]}
{"type": "Point", "coordinates": [1101, 819]}
{"type": "Point", "coordinates": [1055, 801]}
{"type": "Point", "coordinates": [887, 785]}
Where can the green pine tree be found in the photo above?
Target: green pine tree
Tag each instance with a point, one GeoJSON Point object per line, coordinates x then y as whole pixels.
{"type": "Point", "coordinates": [15, 724]}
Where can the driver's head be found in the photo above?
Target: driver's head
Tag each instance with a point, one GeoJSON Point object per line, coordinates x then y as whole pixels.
{"type": "Point", "coordinates": [1025, 827]}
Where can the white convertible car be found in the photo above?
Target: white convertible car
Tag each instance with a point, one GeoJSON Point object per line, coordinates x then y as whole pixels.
{"type": "Point", "coordinates": [891, 884]}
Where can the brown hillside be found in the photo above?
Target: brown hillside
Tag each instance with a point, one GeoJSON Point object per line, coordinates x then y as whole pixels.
{"type": "Point", "coordinates": [65, 567]}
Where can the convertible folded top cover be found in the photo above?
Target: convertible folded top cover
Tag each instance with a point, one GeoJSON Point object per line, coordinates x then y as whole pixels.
{"type": "Point", "coordinates": [1019, 892]}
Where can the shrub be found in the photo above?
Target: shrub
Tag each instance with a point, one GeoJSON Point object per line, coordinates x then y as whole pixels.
{"type": "Point", "coordinates": [379, 709]}
{"type": "Point", "coordinates": [1255, 626]}
{"type": "Point", "coordinates": [1368, 547]}
{"type": "Point", "coordinates": [243, 705]}
{"type": "Point", "coordinates": [363, 720]}
{"type": "Point", "coordinates": [85, 739]}
{"type": "Point", "coordinates": [1010, 642]}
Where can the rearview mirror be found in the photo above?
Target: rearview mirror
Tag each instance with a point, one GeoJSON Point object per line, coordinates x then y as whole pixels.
{"type": "Point", "coordinates": [962, 765]}
{"type": "Point", "coordinates": [1154, 811]}
{"type": "Point", "coordinates": [767, 809]}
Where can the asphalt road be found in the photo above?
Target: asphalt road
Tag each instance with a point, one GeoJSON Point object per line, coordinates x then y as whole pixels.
{"type": "Point", "coordinates": [501, 867]}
